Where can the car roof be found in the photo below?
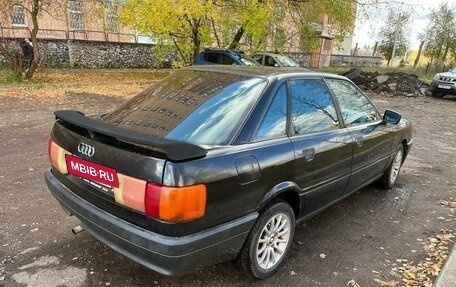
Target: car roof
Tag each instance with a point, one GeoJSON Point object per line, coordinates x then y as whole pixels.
{"type": "Point", "coordinates": [268, 54]}
{"type": "Point", "coordinates": [222, 51]}
{"type": "Point", "coordinates": [261, 71]}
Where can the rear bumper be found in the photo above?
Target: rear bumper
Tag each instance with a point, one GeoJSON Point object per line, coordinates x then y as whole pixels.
{"type": "Point", "coordinates": [166, 255]}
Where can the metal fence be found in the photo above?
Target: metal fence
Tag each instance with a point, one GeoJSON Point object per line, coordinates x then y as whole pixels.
{"type": "Point", "coordinates": [87, 35]}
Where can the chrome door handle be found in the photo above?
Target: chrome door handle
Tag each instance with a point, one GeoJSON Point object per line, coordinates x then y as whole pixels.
{"type": "Point", "coordinates": [359, 141]}
{"type": "Point", "coordinates": [308, 154]}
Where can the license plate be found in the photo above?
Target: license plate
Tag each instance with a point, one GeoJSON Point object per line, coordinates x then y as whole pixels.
{"type": "Point", "coordinates": [444, 87]}
{"type": "Point", "coordinates": [92, 171]}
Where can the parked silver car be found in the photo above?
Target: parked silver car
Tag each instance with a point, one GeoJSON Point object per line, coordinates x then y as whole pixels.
{"type": "Point", "coordinates": [274, 60]}
{"type": "Point", "coordinates": [444, 84]}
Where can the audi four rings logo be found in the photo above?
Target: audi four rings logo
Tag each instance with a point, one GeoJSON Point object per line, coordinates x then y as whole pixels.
{"type": "Point", "coordinates": [86, 149]}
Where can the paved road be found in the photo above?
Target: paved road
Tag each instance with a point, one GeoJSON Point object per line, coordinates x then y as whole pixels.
{"type": "Point", "coordinates": [361, 237]}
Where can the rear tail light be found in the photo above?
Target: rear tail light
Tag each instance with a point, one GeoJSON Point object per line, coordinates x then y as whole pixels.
{"type": "Point", "coordinates": [49, 145]}
{"type": "Point", "coordinates": [57, 156]}
{"type": "Point", "coordinates": [175, 204]}
{"type": "Point", "coordinates": [172, 204]}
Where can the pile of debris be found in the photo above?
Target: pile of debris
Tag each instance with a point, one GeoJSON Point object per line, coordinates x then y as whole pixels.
{"type": "Point", "coordinates": [398, 84]}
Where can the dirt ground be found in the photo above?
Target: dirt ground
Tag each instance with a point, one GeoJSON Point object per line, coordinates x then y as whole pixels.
{"type": "Point", "coordinates": [362, 241]}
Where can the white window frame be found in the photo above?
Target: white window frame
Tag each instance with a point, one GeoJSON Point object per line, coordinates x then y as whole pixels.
{"type": "Point", "coordinates": [111, 18]}
{"type": "Point", "coordinates": [75, 15]}
{"type": "Point", "coordinates": [18, 5]}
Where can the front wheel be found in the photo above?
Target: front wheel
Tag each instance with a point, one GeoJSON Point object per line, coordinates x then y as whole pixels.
{"type": "Point", "coordinates": [389, 178]}
{"type": "Point", "coordinates": [269, 241]}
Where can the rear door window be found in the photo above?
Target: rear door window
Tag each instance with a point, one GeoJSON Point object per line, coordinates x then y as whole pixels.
{"type": "Point", "coordinates": [193, 106]}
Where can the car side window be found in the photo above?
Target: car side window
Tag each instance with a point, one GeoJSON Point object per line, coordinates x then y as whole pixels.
{"type": "Point", "coordinates": [355, 108]}
{"type": "Point", "coordinates": [226, 60]}
{"type": "Point", "coordinates": [211, 57]}
{"type": "Point", "coordinates": [274, 123]}
{"type": "Point", "coordinates": [312, 107]}
{"type": "Point", "coordinates": [258, 58]}
{"type": "Point", "coordinates": [270, 61]}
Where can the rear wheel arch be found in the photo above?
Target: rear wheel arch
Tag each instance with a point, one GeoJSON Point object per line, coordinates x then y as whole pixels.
{"type": "Point", "coordinates": [287, 192]}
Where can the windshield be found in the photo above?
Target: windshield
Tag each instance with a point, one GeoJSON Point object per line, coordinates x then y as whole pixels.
{"type": "Point", "coordinates": [285, 61]}
{"type": "Point", "coordinates": [453, 70]}
{"type": "Point", "coordinates": [246, 60]}
{"type": "Point", "coordinates": [198, 107]}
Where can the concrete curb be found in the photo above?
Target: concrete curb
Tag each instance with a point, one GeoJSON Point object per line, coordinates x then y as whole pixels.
{"type": "Point", "coordinates": [447, 276]}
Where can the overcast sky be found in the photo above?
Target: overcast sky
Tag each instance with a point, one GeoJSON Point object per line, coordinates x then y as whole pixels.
{"type": "Point", "coordinates": [366, 31]}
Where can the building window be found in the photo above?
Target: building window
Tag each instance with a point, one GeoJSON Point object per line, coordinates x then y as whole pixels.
{"type": "Point", "coordinates": [111, 13]}
{"type": "Point", "coordinates": [18, 15]}
{"type": "Point", "coordinates": [75, 15]}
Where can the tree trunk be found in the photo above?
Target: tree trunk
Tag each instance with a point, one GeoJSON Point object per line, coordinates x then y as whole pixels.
{"type": "Point", "coordinates": [36, 50]}
{"type": "Point", "coordinates": [214, 29]}
{"type": "Point", "coordinates": [390, 57]}
{"type": "Point", "coordinates": [375, 49]}
{"type": "Point", "coordinates": [445, 53]}
{"type": "Point", "coordinates": [196, 39]}
{"type": "Point", "coordinates": [237, 38]}
{"type": "Point", "coordinates": [417, 59]}
{"type": "Point", "coordinates": [14, 56]}
{"type": "Point", "coordinates": [184, 57]}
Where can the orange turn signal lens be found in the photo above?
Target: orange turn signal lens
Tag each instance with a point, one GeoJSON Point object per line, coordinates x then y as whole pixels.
{"type": "Point", "coordinates": [175, 204]}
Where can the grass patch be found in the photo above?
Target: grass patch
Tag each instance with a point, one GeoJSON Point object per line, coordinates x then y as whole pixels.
{"type": "Point", "coordinates": [8, 78]}
{"type": "Point", "coordinates": [84, 77]}
{"type": "Point", "coordinates": [72, 76]}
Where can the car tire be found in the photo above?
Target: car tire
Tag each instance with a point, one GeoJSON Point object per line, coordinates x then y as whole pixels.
{"type": "Point", "coordinates": [269, 241]}
{"type": "Point", "coordinates": [389, 178]}
{"type": "Point", "coordinates": [437, 94]}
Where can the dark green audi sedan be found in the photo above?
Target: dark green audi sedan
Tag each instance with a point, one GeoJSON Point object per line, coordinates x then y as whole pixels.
{"type": "Point", "coordinates": [217, 163]}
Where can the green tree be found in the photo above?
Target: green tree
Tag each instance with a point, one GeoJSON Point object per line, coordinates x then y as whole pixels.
{"type": "Point", "coordinates": [307, 15]}
{"type": "Point", "coordinates": [440, 34]}
{"type": "Point", "coordinates": [392, 36]}
{"type": "Point", "coordinates": [184, 24]}
{"type": "Point", "coordinates": [188, 25]}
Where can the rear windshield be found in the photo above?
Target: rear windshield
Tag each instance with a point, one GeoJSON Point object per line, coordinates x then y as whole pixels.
{"type": "Point", "coordinates": [193, 106]}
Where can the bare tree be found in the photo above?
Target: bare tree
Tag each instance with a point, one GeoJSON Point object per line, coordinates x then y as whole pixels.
{"type": "Point", "coordinates": [12, 51]}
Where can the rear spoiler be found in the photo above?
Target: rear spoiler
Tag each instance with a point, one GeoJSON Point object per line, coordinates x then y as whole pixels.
{"type": "Point", "coordinates": [174, 150]}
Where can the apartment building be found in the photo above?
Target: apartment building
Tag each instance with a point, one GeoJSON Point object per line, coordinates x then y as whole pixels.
{"type": "Point", "coordinates": [69, 20]}
{"type": "Point", "coordinates": [96, 21]}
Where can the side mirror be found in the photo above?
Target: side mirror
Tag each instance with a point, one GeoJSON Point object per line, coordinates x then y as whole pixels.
{"type": "Point", "coordinates": [390, 117]}
{"type": "Point", "coordinates": [276, 65]}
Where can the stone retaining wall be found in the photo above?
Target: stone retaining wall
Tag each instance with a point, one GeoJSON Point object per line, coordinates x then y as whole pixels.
{"type": "Point", "coordinates": [92, 54]}
{"type": "Point", "coordinates": [302, 59]}
{"type": "Point", "coordinates": [95, 55]}
{"type": "Point", "coordinates": [87, 54]}
{"type": "Point", "coordinates": [357, 61]}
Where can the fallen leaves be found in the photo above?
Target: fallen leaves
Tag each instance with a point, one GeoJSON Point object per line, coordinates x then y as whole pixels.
{"type": "Point", "coordinates": [352, 283]}
{"type": "Point", "coordinates": [422, 273]}
{"type": "Point", "coordinates": [391, 283]}
{"type": "Point", "coordinates": [451, 202]}
{"type": "Point", "coordinates": [57, 86]}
